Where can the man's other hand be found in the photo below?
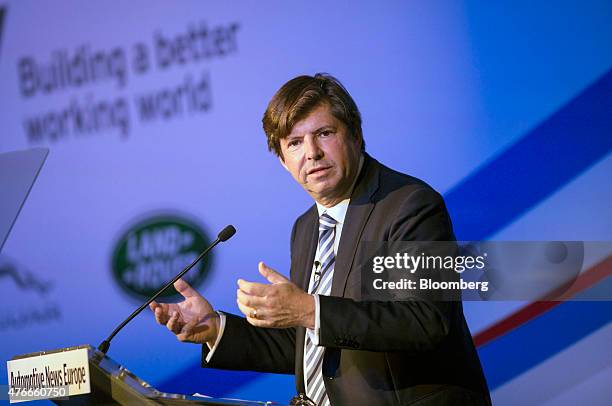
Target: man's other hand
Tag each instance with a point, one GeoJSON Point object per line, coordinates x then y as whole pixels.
{"type": "Point", "coordinates": [280, 304]}
{"type": "Point", "coordinates": [193, 320]}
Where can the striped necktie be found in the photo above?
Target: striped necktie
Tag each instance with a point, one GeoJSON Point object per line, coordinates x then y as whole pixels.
{"type": "Point", "coordinates": [313, 358]}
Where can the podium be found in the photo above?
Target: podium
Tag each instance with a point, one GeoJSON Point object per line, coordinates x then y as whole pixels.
{"type": "Point", "coordinates": [113, 384]}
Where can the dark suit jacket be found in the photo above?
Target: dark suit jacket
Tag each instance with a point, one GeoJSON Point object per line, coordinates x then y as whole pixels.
{"type": "Point", "coordinates": [377, 352]}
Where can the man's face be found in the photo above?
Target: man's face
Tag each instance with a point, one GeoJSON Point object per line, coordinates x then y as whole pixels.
{"type": "Point", "coordinates": [322, 156]}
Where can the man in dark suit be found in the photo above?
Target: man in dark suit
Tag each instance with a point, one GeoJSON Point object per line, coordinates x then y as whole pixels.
{"type": "Point", "coordinates": [342, 349]}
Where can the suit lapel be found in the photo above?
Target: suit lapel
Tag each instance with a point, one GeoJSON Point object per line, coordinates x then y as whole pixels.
{"type": "Point", "coordinates": [310, 241]}
{"type": "Point", "coordinates": [356, 218]}
{"type": "Point", "coordinates": [305, 260]}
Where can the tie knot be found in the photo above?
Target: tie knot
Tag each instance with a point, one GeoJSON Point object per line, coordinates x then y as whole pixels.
{"type": "Point", "coordinates": [326, 222]}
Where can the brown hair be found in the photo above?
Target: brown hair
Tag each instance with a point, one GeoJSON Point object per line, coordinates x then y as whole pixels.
{"type": "Point", "coordinates": [300, 96]}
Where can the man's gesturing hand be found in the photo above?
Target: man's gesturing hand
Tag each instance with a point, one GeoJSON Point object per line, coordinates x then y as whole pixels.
{"type": "Point", "coordinates": [193, 320]}
{"type": "Point", "coordinates": [280, 304]}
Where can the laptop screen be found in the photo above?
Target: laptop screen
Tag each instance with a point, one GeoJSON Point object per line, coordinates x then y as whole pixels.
{"type": "Point", "coordinates": [18, 171]}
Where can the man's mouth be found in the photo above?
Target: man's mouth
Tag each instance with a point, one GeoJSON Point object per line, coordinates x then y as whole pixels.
{"type": "Point", "coordinates": [317, 170]}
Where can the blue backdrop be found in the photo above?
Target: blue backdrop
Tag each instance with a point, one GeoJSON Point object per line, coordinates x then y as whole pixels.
{"type": "Point", "coordinates": [155, 109]}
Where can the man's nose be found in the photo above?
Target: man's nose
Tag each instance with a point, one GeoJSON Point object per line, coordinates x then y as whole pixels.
{"type": "Point", "coordinates": [313, 151]}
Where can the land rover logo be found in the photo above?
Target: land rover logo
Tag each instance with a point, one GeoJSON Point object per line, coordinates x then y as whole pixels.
{"type": "Point", "coordinates": [152, 251]}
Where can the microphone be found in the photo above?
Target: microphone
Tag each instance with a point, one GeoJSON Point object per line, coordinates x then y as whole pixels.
{"type": "Point", "coordinates": [225, 234]}
{"type": "Point", "coordinates": [317, 266]}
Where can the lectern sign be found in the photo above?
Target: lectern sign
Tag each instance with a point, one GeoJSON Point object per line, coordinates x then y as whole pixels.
{"type": "Point", "coordinates": [49, 375]}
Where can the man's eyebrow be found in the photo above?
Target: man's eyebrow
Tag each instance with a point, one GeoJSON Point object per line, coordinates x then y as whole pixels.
{"type": "Point", "coordinates": [325, 127]}
{"type": "Point", "coordinates": [292, 137]}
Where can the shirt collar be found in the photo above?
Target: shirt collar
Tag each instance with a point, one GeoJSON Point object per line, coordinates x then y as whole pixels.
{"type": "Point", "coordinates": [338, 212]}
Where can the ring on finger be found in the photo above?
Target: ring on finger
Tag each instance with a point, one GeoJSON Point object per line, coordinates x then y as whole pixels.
{"type": "Point", "coordinates": [253, 314]}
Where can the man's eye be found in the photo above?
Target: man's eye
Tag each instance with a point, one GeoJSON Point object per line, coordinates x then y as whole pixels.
{"type": "Point", "coordinates": [293, 143]}
{"type": "Point", "coordinates": [325, 134]}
